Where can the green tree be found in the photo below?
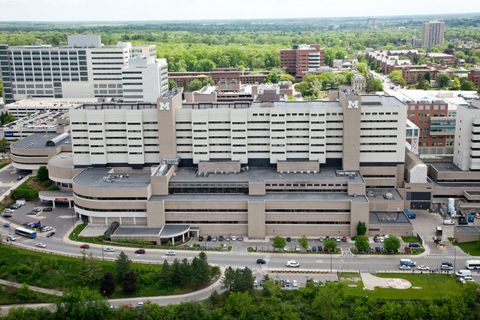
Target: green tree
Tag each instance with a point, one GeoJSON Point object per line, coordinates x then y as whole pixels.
{"type": "Point", "coordinates": [361, 243]}
{"type": "Point", "coordinates": [238, 280]}
{"type": "Point", "coordinates": [42, 174]}
{"type": "Point", "coordinates": [361, 228]}
{"type": "Point", "coordinates": [90, 270]}
{"type": "Point", "coordinates": [122, 266]}
{"type": "Point", "coordinates": [362, 67]}
{"type": "Point", "coordinates": [165, 277]}
{"type": "Point", "coordinates": [455, 84]}
{"type": "Point", "coordinates": [82, 304]}
{"type": "Point", "coordinates": [205, 65]}
{"type": "Point", "coordinates": [443, 80]}
{"type": "Point", "coordinates": [1, 89]}
{"type": "Point", "coordinates": [107, 284]}
{"type": "Point", "coordinates": [172, 84]}
{"type": "Point", "coordinates": [239, 305]}
{"type": "Point", "coordinates": [3, 145]}
{"type": "Point", "coordinates": [468, 85]}
{"type": "Point", "coordinates": [194, 85]}
{"type": "Point", "coordinates": [185, 274]}
{"type": "Point", "coordinates": [200, 270]}
{"type": "Point", "coordinates": [303, 242]}
{"type": "Point", "coordinates": [330, 245]}
{"type": "Point", "coordinates": [391, 244]}
{"type": "Point", "coordinates": [131, 282]}
{"type": "Point", "coordinates": [7, 118]}
{"type": "Point", "coordinates": [329, 303]}
{"type": "Point", "coordinates": [279, 242]}
{"type": "Point", "coordinates": [397, 77]}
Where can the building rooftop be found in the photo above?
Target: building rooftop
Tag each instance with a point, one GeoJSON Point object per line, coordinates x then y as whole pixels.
{"type": "Point", "coordinates": [187, 174]}
{"type": "Point", "coordinates": [444, 166]}
{"type": "Point", "coordinates": [62, 160]}
{"type": "Point", "coordinates": [54, 103]}
{"type": "Point", "coordinates": [42, 141]}
{"type": "Point", "coordinates": [107, 178]}
{"type": "Point", "coordinates": [469, 229]}
{"type": "Point", "coordinates": [388, 218]}
{"type": "Point", "coordinates": [42, 120]}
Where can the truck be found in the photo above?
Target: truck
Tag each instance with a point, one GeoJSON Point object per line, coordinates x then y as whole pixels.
{"type": "Point", "coordinates": [407, 262]}
{"type": "Point", "coordinates": [409, 214]}
{"type": "Point", "coordinates": [21, 202]}
{"type": "Point", "coordinates": [439, 232]}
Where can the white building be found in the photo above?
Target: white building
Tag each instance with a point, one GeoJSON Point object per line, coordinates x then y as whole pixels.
{"type": "Point", "coordinates": [29, 106]}
{"type": "Point", "coordinates": [144, 79]}
{"type": "Point", "coordinates": [83, 69]}
{"type": "Point", "coordinates": [467, 137]}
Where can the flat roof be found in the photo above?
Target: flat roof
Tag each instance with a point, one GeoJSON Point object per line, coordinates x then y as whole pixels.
{"type": "Point", "coordinates": [51, 102]}
{"type": "Point", "coordinates": [63, 160]}
{"type": "Point", "coordinates": [388, 218]}
{"type": "Point", "coordinates": [467, 229]}
{"type": "Point", "coordinates": [333, 196]}
{"type": "Point", "coordinates": [137, 231]}
{"type": "Point", "coordinates": [188, 174]}
{"type": "Point", "coordinates": [39, 141]}
{"type": "Point", "coordinates": [107, 178]}
{"type": "Point", "coordinates": [444, 166]}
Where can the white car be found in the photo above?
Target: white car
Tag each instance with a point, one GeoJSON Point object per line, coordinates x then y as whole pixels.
{"type": "Point", "coordinates": [338, 239]}
{"type": "Point", "coordinates": [405, 267]}
{"type": "Point", "coordinates": [295, 283]}
{"type": "Point", "coordinates": [109, 249]}
{"type": "Point", "coordinates": [140, 304]}
{"type": "Point", "coordinates": [292, 264]}
{"type": "Point", "coordinates": [10, 238]}
{"type": "Point", "coordinates": [448, 222]}
{"type": "Point", "coordinates": [41, 245]}
{"type": "Point", "coordinates": [382, 239]}
{"type": "Point", "coordinates": [170, 253]}
{"type": "Point", "coordinates": [423, 268]}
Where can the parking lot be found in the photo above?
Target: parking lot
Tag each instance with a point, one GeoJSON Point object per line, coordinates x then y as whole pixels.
{"type": "Point", "coordinates": [293, 281]}
{"type": "Point", "coordinates": [60, 218]}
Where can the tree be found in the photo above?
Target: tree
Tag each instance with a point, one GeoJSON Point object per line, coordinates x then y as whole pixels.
{"type": "Point", "coordinates": [107, 284]}
{"type": "Point", "coordinates": [172, 84]}
{"type": "Point", "coordinates": [361, 243]}
{"type": "Point", "coordinates": [303, 242]}
{"type": "Point", "coordinates": [42, 174]}
{"type": "Point", "coordinates": [330, 245]}
{"type": "Point", "coordinates": [165, 276]}
{"type": "Point", "coordinates": [185, 275]}
{"type": "Point", "coordinates": [443, 80]}
{"type": "Point", "coordinates": [130, 282]}
{"type": "Point", "coordinates": [455, 84]}
{"type": "Point", "coordinates": [397, 77]}
{"type": "Point", "coordinates": [3, 145]}
{"type": "Point", "coordinates": [279, 242]}
{"type": "Point", "coordinates": [205, 65]}
{"type": "Point", "coordinates": [7, 118]}
{"type": "Point", "coordinates": [200, 270]}
{"type": "Point", "coordinates": [391, 244]}
{"type": "Point", "coordinates": [362, 67]}
{"type": "Point", "coordinates": [361, 228]}
{"type": "Point", "coordinates": [82, 304]}
{"type": "Point", "coordinates": [90, 271]}
{"type": "Point", "coordinates": [238, 280]}
{"type": "Point", "coordinates": [194, 85]}
{"type": "Point", "coordinates": [468, 85]}
{"type": "Point", "coordinates": [1, 89]}
{"type": "Point", "coordinates": [122, 266]}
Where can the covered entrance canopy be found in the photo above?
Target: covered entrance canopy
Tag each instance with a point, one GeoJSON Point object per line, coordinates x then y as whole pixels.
{"type": "Point", "coordinates": [173, 233]}
{"type": "Point", "coordinates": [57, 197]}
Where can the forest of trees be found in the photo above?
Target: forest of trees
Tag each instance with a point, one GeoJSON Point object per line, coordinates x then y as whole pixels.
{"type": "Point", "coordinates": [328, 301]}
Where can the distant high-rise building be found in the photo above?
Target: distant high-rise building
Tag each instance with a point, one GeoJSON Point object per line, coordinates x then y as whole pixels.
{"type": "Point", "coordinates": [371, 23]}
{"type": "Point", "coordinates": [301, 59]}
{"type": "Point", "coordinates": [82, 69]}
{"type": "Point", "coordinates": [433, 33]}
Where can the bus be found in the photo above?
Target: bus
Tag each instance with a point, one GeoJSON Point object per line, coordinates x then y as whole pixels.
{"type": "Point", "coordinates": [26, 232]}
{"type": "Point", "coordinates": [473, 264]}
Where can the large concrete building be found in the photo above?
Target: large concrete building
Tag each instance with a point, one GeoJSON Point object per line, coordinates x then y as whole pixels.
{"type": "Point", "coordinates": [433, 33]}
{"type": "Point", "coordinates": [170, 169]}
{"type": "Point", "coordinates": [82, 69]}
{"type": "Point", "coordinates": [301, 59]}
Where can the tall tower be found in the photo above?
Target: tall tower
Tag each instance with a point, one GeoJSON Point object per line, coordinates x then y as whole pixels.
{"type": "Point", "coordinates": [433, 33]}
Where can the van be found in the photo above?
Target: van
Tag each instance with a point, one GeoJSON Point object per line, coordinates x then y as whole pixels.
{"type": "Point", "coordinates": [21, 202]}
{"type": "Point", "coordinates": [407, 262]}
{"type": "Point", "coordinates": [463, 273]}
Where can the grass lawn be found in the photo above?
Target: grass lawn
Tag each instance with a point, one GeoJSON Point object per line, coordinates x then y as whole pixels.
{"type": "Point", "coordinates": [409, 239]}
{"type": "Point", "coordinates": [63, 273]}
{"type": "Point", "coordinates": [433, 286]}
{"type": "Point", "coordinates": [9, 295]}
{"type": "Point", "coordinates": [471, 248]}
{"type": "Point", "coordinates": [5, 162]}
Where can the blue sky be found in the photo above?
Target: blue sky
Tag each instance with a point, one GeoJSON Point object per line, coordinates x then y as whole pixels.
{"type": "Point", "coordinates": [70, 10]}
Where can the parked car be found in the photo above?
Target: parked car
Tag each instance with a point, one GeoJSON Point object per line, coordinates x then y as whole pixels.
{"type": "Point", "coordinates": [314, 249]}
{"type": "Point", "coordinates": [41, 245]}
{"type": "Point", "coordinates": [261, 261]}
{"type": "Point", "coordinates": [200, 238]}
{"type": "Point", "coordinates": [423, 267]}
{"type": "Point", "coordinates": [6, 225]}
{"type": "Point", "coordinates": [170, 253]}
{"type": "Point", "coordinates": [47, 209]}
{"type": "Point", "coordinates": [448, 222]}
{"type": "Point", "coordinates": [408, 250]}
{"type": "Point", "coordinates": [84, 246]}
{"type": "Point", "coordinates": [234, 238]}
{"type": "Point", "coordinates": [462, 221]}
{"type": "Point", "coordinates": [297, 248]}
{"type": "Point", "coordinates": [322, 239]}
{"type": "Point", "coordinates": [214, 238]}
{"type": "Point", "coordinates": [295, 283]}
{"type": "Point", "coordinates": [140, 251]}
{"type": "Point", "coordinates": [240, 238]}
{"type": "Point", "coordinates": [289, 239]}
{"type": "Point", "coordinates": [292, 264]}
{"type": "Point", "coordinates": [376, 238]}
{"type": "Point", "coordinates": [344, 239]}
{"type": "Point", "coordinates": [220, 238]}
{"type": "Point", "coordinates": [209, 238]}
{"type": "Point", "coordinates": [109, 249]}
{"type": "Point", "coordinates": [7, 215]}
{"type": "Point", "coordinates": [470, 218]}
{"type": "Point", "coordinates": [414, 245]}
{"type": "Point", "coordinates": [379, 250]}
{"type": "Point", "coordinates": [50, 234]}
{"type": "Point", "coordinates": [10, 238]}
{"type": "Point", "coordinates": [319, 248]}
{"type": "Point", "coordinates": [338, 239]}
{"type": "Point", "coordinates": [37, 210]}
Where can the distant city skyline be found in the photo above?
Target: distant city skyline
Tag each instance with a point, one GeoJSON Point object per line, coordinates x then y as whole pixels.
{"type": "Point", "coordinates": [118, 10]}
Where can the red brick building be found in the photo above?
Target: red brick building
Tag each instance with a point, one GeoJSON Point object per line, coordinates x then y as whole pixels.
{"type": "Point", "coordinates": [220, 74]}
{"type": "Point", "coordinates": [474, 76]}
{"type": "Point", "coordinates": [301, 59]}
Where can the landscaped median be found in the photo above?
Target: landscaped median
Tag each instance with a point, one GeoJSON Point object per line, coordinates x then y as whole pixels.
{"type": "Point", "coordinates": [471, 248]}
{"type": "Point", "coordinates": [118, 279]}
{"type": "Point", "coordinates": [102, 240]}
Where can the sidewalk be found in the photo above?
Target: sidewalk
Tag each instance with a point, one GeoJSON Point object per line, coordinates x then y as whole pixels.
{"type": "Point", "coordinates": [52, 292]}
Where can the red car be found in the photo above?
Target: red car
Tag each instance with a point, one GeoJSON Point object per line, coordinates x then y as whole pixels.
{"type": "Point", "coordinates": [344, 239]}
{"type": "Point", "coordinates": [140, 251]}
{"type": "Point", "coordinates": [84, 246]}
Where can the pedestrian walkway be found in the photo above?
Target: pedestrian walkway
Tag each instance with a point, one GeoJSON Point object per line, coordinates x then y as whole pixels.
{"type": "Point", "coordinates": [52, 292]}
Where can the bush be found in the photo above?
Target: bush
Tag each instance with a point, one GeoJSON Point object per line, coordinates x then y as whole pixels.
{"type": "Point", "coordinates": [391, 244]}
{"type": "Point", "coordinates": [361, 244]}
